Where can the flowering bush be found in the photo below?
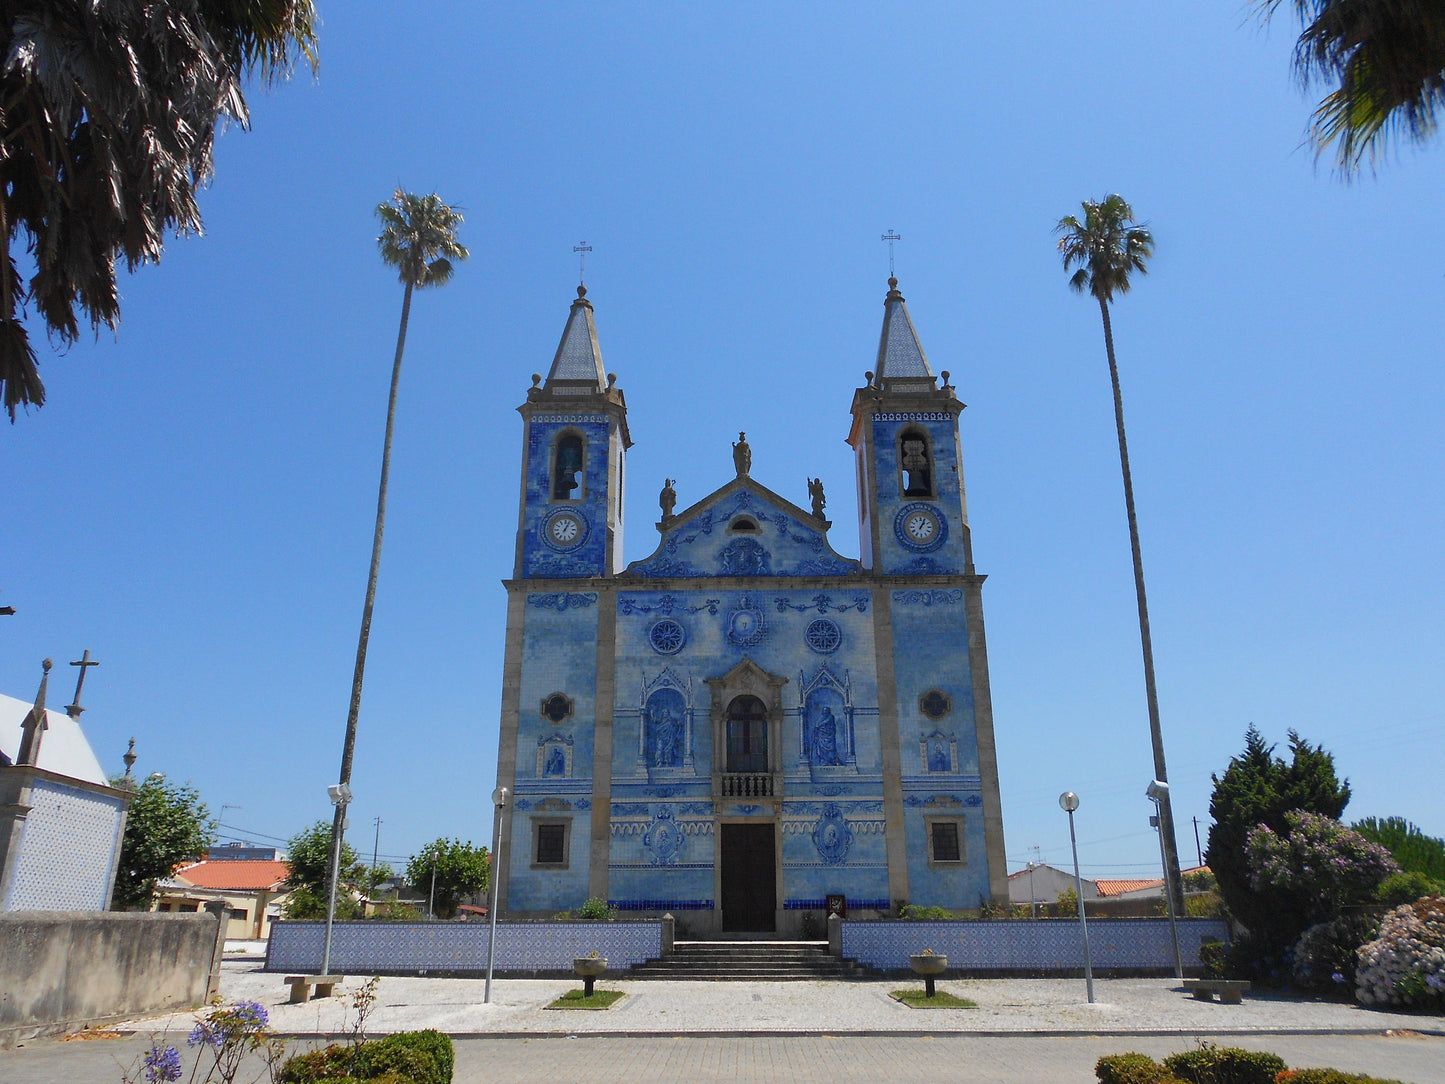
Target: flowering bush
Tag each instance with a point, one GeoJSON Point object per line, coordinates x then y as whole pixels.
{"type": "Point", "coordinates": [1405, 965]}
{"type": "Point", "coordinates": [227, 1034]}
{"type": "Point", "coordinates": [1318, 864]}
{"type": "Point", "coordinates": [1324, 955]}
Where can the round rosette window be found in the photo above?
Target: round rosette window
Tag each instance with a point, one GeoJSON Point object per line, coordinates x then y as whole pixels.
{"type": "Point", "coordinates": [920, 527]}
{"type": "Point", "coordinates": [823, 636]}
{"type": "Point", "coordinates": [667, 637]}
{"type": "Point", "coordinates": [564, 529]}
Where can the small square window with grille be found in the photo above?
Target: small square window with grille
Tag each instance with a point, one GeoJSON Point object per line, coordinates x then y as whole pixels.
{"type": "Point", "coordinates": [551, 844]}
{"type": "Point", "coordinates": [945, 842]}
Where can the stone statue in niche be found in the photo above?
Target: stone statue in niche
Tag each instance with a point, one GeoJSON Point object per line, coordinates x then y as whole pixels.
{"type": "Point", "coordinates": [825, 738]}
{"type": "Point", "coordinates": [668, 497]}
{"type": "Point", "coordinates": [938, 758]}
{"type": "Point", "coordinates": [742, 454]}
{"type": "Point", "coordinates": [815, 491]}
{"type": "Point", "coordinates": [556, 762]}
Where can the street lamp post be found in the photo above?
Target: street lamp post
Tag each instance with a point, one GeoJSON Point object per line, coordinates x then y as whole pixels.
{"type": "Point", "coordinates": [432, 895]}
{"type": "Point", "coordinates": [1033, 900]}
{"type": "Point", "coordinates": [1158, 792]}
{"type": "Point", "coordinates": [340, 795]}
{"type": "Point", "coordinates": [1068, 802]}
{"type": "Point", "coordinates": [499, 807]}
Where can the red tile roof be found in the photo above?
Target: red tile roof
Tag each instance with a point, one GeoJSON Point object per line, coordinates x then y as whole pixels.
{"type": "Point", "coordinates": [234, 874]}
{"type": "Point", "coordinates": [1116, 886]}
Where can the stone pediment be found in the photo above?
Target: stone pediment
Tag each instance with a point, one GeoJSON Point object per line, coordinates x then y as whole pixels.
{"type": "Point", "coordinates": [743, 530]}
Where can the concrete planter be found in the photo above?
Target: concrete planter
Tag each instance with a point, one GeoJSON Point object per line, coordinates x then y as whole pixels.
{"type": "Point", "coordinates": [930, 965]}
{"type": "Point", "coordinates": [589, 968]}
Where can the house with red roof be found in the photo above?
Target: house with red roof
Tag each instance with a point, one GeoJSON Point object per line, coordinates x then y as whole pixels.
{"type": "Point", "coordinates": [253, 892]}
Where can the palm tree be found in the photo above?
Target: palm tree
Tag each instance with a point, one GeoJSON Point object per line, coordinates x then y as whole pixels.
{"type": "Point", "coordinates": [108, 118]}
{"type": "Point", "coordinates": [418, 238]}
{"type": "Point", "coordinates": [1106, 248]}
{"type": "Point", "coordinates": [1388, 59]}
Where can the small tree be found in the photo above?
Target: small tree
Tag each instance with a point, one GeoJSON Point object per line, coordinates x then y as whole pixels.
{"type": "Point", "coordinates": [1413, 849]}
{"type": "Point", "coordinates": [308, 853]}
{"type": "Point", "coordinates": [167, 825]}
{"type": "Point", "coordinates": [461, 871]}
{"type": "Point", "coordinates": [1260, 788]}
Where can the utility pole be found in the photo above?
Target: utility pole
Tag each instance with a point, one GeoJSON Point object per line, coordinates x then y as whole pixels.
{"type": "Point", "coordinates": [375, 847]}
{"type": "Point", "coordinates": [1197, 848]}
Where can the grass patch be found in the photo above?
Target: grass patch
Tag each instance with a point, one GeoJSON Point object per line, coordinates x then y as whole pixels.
{"type": "Point", "coordinates": [575, 999]}
{"type": "Point", "coordinates": [917, 999]}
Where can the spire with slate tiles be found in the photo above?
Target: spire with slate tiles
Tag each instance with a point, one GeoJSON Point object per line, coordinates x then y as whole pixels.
{"type": "Point", "coordinates": [900, 355]}
{"type": "Point", "coordinates": [578, 362]}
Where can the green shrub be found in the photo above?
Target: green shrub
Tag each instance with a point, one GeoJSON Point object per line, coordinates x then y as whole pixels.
{"type": "Point", "coordinates": [1212, 956]}
{"type": "Point", "coordinates": [409, 1057]}
{"type": "Point", "coordinates": [1130, 1068]}
{"type": "Point", "coordinates": [596, 910]}
{"type": "Point", "coordinates": [1327, 1076]}
{"type": "Point", "coordinates": [914, 913]}
{"type": "Point", "coordinates": [1406, 887]}
{"type": "Point", "coordinates": [1225, 1065]}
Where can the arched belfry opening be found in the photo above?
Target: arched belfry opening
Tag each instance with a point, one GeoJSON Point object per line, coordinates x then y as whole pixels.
{"type": "Point", "coordinates": [568, 458]}
{"type": "Point", "coordinates": [915, 463]}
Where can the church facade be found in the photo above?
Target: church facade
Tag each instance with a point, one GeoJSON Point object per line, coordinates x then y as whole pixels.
{"type": "Point", "coordinates": [746, 727]}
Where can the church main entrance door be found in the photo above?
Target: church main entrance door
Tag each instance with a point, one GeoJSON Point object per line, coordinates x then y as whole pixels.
{"type": "Point", "coordinates": [749, 882]}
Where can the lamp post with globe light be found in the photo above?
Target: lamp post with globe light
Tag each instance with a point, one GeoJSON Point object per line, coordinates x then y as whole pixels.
{"type": "Point", "coordinates": [1157, 792]}
{"type": "Point", "coordinates": [499, 807]}
{"type": "Point", "coordinates": [1068, 802]}
{"type": "Point", "coordinates": [340, 795]}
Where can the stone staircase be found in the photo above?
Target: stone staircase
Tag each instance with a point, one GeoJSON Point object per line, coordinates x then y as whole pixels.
{"type": "Point", "coordinates": [751, 961]}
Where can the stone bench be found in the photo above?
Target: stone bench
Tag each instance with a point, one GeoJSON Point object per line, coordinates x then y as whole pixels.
{"type": "Point", "coordinates": [1230, 991]}
{"type": "Point", "coordinates": [301, 986]}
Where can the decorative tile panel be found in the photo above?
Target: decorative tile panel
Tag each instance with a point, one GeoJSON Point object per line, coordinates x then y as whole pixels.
{"type": "Point", "coordinates": [361, 947]}
{"type": "Point", "coordinates": [1030, 945]}
{"type": "Point", "coordinates": [67, 851]}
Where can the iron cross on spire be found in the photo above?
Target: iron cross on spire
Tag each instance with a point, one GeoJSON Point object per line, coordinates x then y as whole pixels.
{"type": "Point", "coordinates": [584, 248]}
{"type": "Point", "coordinates": [890, 237]}
{"type": "Point", "coordinates": [85, 663]}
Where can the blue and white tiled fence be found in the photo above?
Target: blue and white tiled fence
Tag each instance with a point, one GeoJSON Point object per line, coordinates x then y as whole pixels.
{"type": "Point", "coordinates": [459, 947]}
{"type": "Point", "coordinates": [1024, 945]}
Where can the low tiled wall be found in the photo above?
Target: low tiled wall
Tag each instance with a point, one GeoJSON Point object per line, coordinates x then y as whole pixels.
{"type": "Point", "coordinates": [460, 948]}
{"type": "Point", "coordinates": [1050, 944]}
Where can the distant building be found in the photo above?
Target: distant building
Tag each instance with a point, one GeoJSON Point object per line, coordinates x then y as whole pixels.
{"type": "Point", "coordinates": [1045, 884]}
{"type": "Point", "coordinates": [61, 823]}
{"type": "Point", "coordinates": [1138, 888]}
{"type": "Point", "coordinates": [244, 852]}
{"type": "Point", "coordinates": [253, 891]}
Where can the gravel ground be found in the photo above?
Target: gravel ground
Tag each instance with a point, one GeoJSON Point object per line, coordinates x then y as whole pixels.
{"type": "Point", "coordinates": [1005, 1006]}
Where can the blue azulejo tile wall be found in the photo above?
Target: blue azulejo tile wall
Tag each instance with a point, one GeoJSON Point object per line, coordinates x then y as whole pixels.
{"type": "Point", "coordinates": [410, 947]}
{"type": "Point", "coordinates": [1134, 944]}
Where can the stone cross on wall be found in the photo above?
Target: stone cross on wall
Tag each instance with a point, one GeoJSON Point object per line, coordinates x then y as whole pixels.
{"type": "Point", "coordinates": [86, 662]}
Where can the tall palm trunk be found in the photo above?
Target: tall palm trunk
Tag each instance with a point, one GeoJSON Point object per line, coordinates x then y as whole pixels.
{"type": "Point", "coordinates": [1173, 884]}
{"type": "Point", "coordinates": [338, 822]}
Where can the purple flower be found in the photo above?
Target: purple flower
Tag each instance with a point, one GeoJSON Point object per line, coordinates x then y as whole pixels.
{"type": "Point", "coordinates": [162, 1063]}
{"type": "Point", "coordinates": [1337, 977]}
{"type": "Point", "coordinates": [206, 1033]}
{"type": "Point", "coordinates": [250, 1015]}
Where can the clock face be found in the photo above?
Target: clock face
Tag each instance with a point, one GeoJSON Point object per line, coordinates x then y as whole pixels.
{"type": "Point", "coordinates": [921, 526]}
{"type": "Point", "coordinates": [564, 530]}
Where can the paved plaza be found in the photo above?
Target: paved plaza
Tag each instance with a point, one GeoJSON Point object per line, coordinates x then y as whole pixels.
{"type": "Point", "coordinates": [1024, 1030]}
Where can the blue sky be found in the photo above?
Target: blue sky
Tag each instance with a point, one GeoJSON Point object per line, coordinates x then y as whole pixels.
{"type": "Point", "coordinates": [194, 505]}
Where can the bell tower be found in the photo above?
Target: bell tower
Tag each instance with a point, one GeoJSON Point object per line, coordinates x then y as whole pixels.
{"type": "Point", "coordinates": [570, 521]}
{"type": "Point", "coordinates": [913, 519]}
